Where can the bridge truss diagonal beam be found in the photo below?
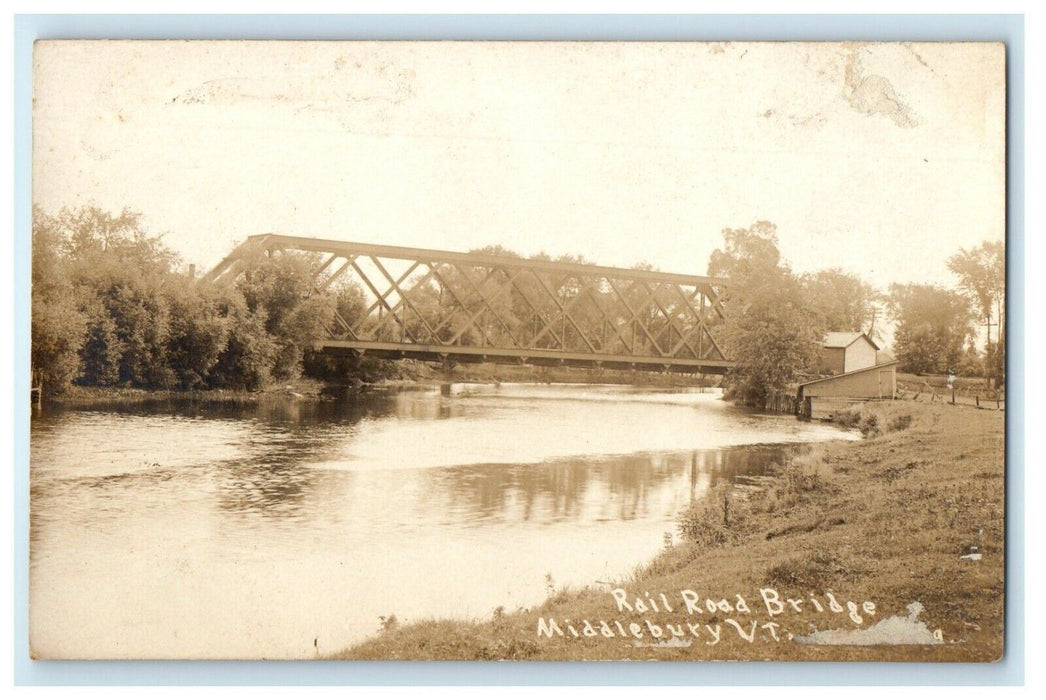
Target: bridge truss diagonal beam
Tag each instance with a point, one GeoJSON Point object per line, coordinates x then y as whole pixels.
{"type": "Point", "coordinates": [433, 304]}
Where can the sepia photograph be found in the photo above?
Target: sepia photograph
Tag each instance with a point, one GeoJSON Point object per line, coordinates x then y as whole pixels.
{"type": "Point", "coordinates": [518, 350]}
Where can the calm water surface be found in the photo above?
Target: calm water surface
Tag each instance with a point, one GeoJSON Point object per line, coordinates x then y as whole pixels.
{"type": "Point", "coordinates": [222, 530]}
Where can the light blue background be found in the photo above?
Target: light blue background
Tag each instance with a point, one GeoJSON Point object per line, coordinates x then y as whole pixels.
{"type": "Point", "coordinates": [1007, 28]}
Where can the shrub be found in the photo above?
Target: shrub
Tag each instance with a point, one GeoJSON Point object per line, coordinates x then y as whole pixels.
{"type": "Point", "coordinates": [810, 472]}
{"type": "Point", "coordinates": [717, 520]}
{"type": "Point", "coordinates": [864, 419]}
{"type": "Point", "coordinates": [901, 422]}
{"type": "Point", "coordinates": [389, 623]}
{"type": "Point", "coordinates": [869, 426]}
{"type": "Point", "coordinates": [849, 418]}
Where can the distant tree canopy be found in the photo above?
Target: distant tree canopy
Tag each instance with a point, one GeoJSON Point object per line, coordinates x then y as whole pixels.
{"type": "Point", "coordinates": [111, 307]}
{"type": "Point", "coordinates": [771, 333]}
{"type": "Point", "coordinates": [982, 278]}
{"type": "Point", "coordinates": [777, 320]}
{"type": "Point", "coordinates": [933, 325]}
{"type": "Point", "coordinates": [746, 253]}
{"type": "Point", "coordinates": [842, 301]}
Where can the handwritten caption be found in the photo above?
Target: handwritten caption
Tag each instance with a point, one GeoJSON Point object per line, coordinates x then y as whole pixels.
{"type": "Point", "coordinates": [731, 617]}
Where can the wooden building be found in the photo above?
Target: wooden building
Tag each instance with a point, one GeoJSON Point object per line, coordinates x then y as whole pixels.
{"type": "Point", "coordinates": [848, 352]}
{"type": "Point", "coordinates": [875, 382]}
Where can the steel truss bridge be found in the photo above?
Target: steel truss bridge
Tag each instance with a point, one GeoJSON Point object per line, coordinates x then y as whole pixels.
{"type": "Point", "coordinates": [474, 307]}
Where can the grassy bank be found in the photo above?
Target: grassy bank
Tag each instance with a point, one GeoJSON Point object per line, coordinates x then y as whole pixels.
{"type": "Point", "coordinates": [414, 374]}
{"type": "Point", "coordinates": [883, 521]}
{"type": "Point", "coordinates": [100, 396]}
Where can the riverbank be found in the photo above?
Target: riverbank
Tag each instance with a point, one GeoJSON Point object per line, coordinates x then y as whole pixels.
{"type": "Point", "coordinates": [85, 396]}
{"type": "Point", "coordinates": [906, 524]}
{"type": "Point", "coordinates": [419, 375]}
{"type": "Point", "coordinates": [490, 372]}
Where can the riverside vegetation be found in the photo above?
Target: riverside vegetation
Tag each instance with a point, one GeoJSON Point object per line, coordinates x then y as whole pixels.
{"type": "Point", "coordinates": [115, 311]}
{"type": "Point", "coordinates": [892, 519]}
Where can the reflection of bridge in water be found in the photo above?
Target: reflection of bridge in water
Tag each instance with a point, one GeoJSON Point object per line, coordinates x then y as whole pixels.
{"type": "Point", "coordinates": [475, 307]}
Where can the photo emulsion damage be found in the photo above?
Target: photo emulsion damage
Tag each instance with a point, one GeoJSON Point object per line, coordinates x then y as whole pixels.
{"type": "Point", "coordinates": [518, 350]}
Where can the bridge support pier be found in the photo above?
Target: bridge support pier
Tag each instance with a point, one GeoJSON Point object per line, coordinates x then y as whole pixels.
{"type": "Point", "coordinates": [446, 375]}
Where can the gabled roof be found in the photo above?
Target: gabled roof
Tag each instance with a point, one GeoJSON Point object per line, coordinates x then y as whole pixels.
{"type": "Point", "coordinates": [845, 339]}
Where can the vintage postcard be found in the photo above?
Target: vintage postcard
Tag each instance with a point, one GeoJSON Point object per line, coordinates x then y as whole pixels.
{"type": "Point", "coordinates": [518, 351]}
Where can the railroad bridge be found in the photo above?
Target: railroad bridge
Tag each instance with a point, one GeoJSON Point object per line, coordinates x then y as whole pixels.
{"type": "Point", "coordinates": [476, 307]}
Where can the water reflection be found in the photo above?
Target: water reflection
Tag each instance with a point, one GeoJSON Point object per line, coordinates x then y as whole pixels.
{"type": "Point", "coordinates": [164, 528]}
{"type": "Point", "coordinates": [588, 489]}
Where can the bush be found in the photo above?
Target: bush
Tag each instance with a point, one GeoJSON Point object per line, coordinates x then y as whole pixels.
{"type": "Point", "coordinates": [862, 418]}
{"type": "Point", "coordinates": [901, 422]}
{"type": "Point", "coordinates": [805, 474]}
{"type": "Point", "coordinates": [809, 471]}
{"type": "Point", "coordinates": [717, 520]}
{"type": "Point", "coordinates": [388, 623]}
{"type": "Point", "coordinates": [869, 426]}
{"type": "Point", "coordinates": [849, 418]}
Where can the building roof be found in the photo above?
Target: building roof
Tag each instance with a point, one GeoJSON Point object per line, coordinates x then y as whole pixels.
{"type": "Point", "coordinates": [845, 339]}
{"type": "Point", "coordinates": [850, 373]}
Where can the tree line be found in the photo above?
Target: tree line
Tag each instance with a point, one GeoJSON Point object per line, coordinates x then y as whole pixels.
{"type": "Point", "coordinates": [113, 306]}
{"type": "Point", "coordinates": [778, 319]}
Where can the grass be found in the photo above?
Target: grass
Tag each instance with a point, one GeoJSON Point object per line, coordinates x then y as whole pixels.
{"type": "Point", "coordinates": [964, 386]}
{"type": "Point", "coordinates": [98, 396]}
{"type": "Point", "coordinates": [883, 520]}
{"type": "Point", "coordinates": [410, 373]}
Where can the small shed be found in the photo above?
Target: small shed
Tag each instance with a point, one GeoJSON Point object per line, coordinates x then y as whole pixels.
{"type": "Point", "coordinates": [875, 382]}
{"type": "Point", "coordinates": [848, 351]}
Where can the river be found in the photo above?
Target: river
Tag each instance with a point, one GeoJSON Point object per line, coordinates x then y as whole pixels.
{"type": "Point", "coordinates": [288, 528]}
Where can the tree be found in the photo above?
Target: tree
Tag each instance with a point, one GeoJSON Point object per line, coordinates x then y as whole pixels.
{"type": "Point", "coordinates": [102, 349]}
{"type": "Point", "coordinates": [933, 325]}
{"type": "Point", "coordinates": [199, 333]}
{"type": "Point", "coordinates": [249, 353]}
{"type": "Point", "coordinates": [748, 253]}
{"type": "Point", "coordinates": [982, 278]}
{"type": "Point", "coordinates": [118, 273]}
{"type": "Point", "coordinates": [59, 327]}
{"type": "Point", "coordinates": [770, 331]}
{"type": "Point", "coordinates": [842, 301]}
{"type": "Point", "coordinates": [58, 334]}
{"type": "Point", "coordinates": [279, 290]}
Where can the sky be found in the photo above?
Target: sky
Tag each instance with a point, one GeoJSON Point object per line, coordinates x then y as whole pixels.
{"type": "Point", "coordinates": [880, 159]}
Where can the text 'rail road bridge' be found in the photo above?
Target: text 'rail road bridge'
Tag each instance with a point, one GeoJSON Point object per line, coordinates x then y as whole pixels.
{"type": "Point", "coordinates": [476, 307]}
